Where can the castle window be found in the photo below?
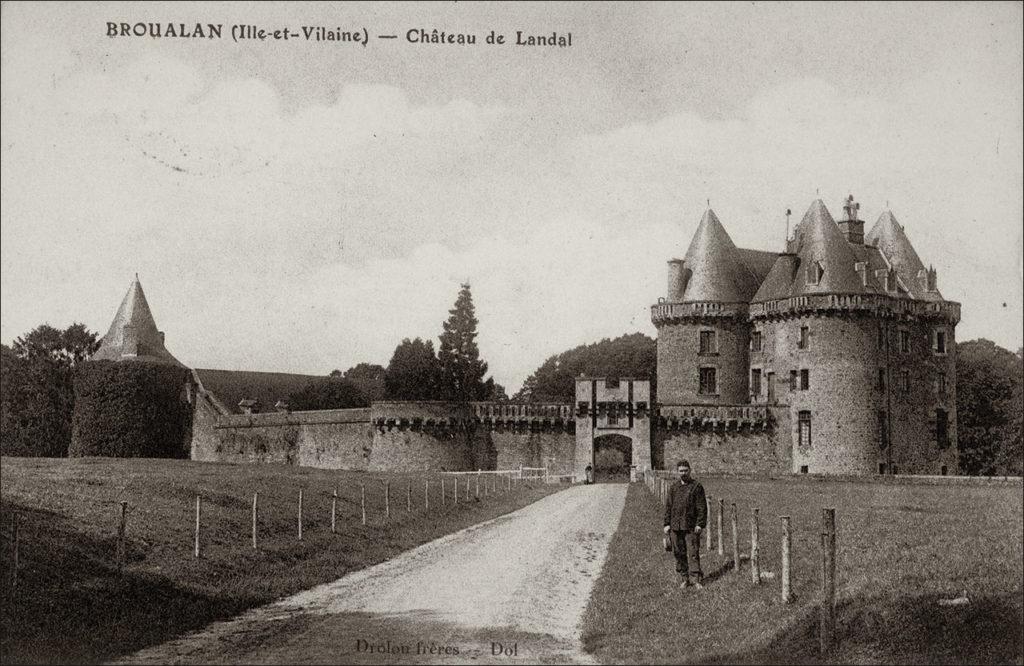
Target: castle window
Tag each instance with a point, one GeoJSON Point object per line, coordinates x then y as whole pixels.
{"type": "Point", "coordinates": [805, 336]}
{"type": "Point", "coordinates": [943, 470]}
{"type": "Point", "coordinates": [583, 408]}
{"type": "Point", "coordinates": [792, 380]}
{"type": "Point", "coordinates": [708, 381]}
{"type": "Point", "coordinates": [881, 337]}
{"type": "Point", "coordinates": [755, 382]}
{"type": "Point", "coordinates": [881, 379]}
{"type": "Point", "coordinates": [707, 342]}
{"type": "Point", "coordinates": [815, 272]}
{"type": "Point", "coordinates": [804, 430]}
{"type": "Point", "coordinates": [755, 341]}
{"type": "Point", "coordinates": [940, 383]}
{"type": "Point", "coordinates": [941, 428]}
{"type": "Point", "coordinates": [805, 379]}
{"type": "Point", "coordinates": [939, 344]}
{"type": "Point", "coordinates": [881, 468]}
{"type": "Point", "coordinates": [904, 341]}
{"type": "Point", "coordinates": [883, 429]}
{"type": "Point", "coordinates": [904, 380]}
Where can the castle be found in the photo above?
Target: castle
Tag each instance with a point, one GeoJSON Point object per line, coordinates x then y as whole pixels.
{"type": "Point", "coordinates": [835, 356]}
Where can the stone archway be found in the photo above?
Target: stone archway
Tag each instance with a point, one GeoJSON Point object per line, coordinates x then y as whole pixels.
{"type": "Point", "coordinates": [613, 455]}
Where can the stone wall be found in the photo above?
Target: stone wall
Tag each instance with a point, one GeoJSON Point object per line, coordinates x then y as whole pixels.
{"type": "Point", "coordinates": [334, 439]}
{"type": "Point", "coordinates": [679, 360]}
{"type": "Point", "coordinates": [729, 451]}
{"type": "Point", "coordinates": [849, 404]}
{"type": "Point", "coordinates": [553, 449]}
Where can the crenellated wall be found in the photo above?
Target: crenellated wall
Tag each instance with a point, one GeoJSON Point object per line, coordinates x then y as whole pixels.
{"type": "Point", "coordinates": [728, 446]}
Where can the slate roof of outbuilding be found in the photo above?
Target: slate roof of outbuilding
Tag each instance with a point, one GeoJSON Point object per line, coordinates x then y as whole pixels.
{"type": "Point", "coordinates": [230, 387]}
{"type": "Point", "coordinates": [134, 312]}
{"type": "Point", "coordinates": [716, 268]}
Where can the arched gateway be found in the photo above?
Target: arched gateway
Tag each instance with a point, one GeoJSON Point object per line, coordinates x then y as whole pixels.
{"type": "Point", "coordinates": [608, 413]}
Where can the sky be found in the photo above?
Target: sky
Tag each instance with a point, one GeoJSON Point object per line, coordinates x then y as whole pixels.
{"type": "Point", "coordinates": [303, 206]}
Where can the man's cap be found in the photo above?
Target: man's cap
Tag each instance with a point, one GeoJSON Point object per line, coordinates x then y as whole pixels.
{"type": "Point", "coordinates": [683, 463]}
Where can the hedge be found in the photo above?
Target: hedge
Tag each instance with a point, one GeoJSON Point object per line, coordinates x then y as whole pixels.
{"type": "Point", "coordinates": [131, 410]}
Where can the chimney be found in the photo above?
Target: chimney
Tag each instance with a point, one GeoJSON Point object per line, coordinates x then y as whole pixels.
{"type": "Point", "coordinates": [677, 280]}
{"type": "Point", "coordinates": [932, 279]}
{"type": "Point", "coordinates": [851, 227]}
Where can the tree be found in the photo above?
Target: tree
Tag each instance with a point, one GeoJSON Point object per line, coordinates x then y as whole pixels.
{"type": "Point", "coordinates": [634, 355]}
{"type": "Point", "coordinates": [413, 373]}
{"type": "Point", "coordinates": [989, 408]}
{"type": "Point", "coordinates": [69, 347]}
{"type": "Point", "coordinates": [368, 378]}
{"type": "Point", "coordinates": [37, 389]}
{"type": "Point", "coordinates": [327, 393]}
{"type": "Point", "coordinates": [462, 370]}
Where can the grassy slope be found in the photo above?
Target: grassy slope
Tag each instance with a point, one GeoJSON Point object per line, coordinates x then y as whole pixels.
{"type": "Point", "coordinates": [72, 606]}
{"type": "Point", "coordinates": [899, 549]}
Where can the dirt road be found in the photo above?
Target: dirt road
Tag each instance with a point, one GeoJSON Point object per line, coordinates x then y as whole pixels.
{"type": "Point", "coordinates": [511, 589]}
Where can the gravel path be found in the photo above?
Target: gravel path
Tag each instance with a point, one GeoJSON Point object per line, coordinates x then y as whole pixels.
{"type": "Point", "coordinates": [522, 581]}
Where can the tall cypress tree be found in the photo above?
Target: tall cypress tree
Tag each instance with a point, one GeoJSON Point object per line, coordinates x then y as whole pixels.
{"type": "Point", "coordinates": [462, 371]}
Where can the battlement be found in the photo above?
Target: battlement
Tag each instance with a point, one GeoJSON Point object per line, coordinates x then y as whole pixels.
{"type": "Point", "coordinates": [879, 305]}
{"type": "Point", "coordinates": [714, 417]}
{"type": "Point", "coordinates": [671, 313]}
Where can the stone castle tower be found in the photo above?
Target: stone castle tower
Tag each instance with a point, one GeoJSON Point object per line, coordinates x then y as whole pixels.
{"type": "Point", "coordinates": [844, 336]}
{"type": "Point", "coordinates": [133, 335]}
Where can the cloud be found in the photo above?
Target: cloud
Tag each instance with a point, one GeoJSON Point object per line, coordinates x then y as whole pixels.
{"type": "Point", "coordinates": [313, 236]}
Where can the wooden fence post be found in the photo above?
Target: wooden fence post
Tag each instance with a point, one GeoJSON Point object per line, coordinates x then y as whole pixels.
{"type": "Point", "coordinates": [755, 555]}
{"type": "Point", "coordinates": [120, 536]}
{"type": "Point", "coordinates": [16, 537]}
{"type": "Point", "coordinates": [707, 513]}
{"type": "Point", "coordinates": [408, 496]}
{"type": "Point", "coordinates": [362, 501]}
{"type": "Point", "coordinates": [426, 495]}
{"type": "Point", "coordinates": [387, 499]}
{"type": "Point", "coordinates": [198, 510]}
{"type": "Point", "coordinates": [334, 512]}
{"type": "Point", "coordinates": [300, 514]}
{"type": "Point", "coordinates": [442, 491]}
{"type": "Point", "coordinates": [787, 572]}
{"type": "Point", "coordinates": [828, 579]}
{"type": "Point", "coordinates": [456, 495]}
{"type": "Point", "coordinates": [478, 485]}
{"type": "Point", "coordinates": [721, 527]}
{"type": "Point", "coordinates": [255, 499]}
{"type": "Point", "coordinates": [735, 538]}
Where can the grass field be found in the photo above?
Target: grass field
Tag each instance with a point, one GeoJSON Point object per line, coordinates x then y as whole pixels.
{"type": "Point", "coordinates": [900, 548]}
{"type": "Point", "coordinates": [71, 605]}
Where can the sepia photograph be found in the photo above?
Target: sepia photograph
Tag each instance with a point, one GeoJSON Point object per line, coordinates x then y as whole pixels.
{"type": "Point", "coordinates": [527, 333]}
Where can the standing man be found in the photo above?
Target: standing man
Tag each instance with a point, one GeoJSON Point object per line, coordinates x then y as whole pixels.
{"type": "Point", "coordinates": [686, 515]}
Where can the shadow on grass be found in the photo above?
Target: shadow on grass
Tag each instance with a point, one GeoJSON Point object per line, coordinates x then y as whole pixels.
{"type": "Point", "coordinates": [905, 630]}
{"type": "Point", "coordinates": [67, 580]}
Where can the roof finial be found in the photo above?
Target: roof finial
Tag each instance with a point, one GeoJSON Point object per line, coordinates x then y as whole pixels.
{"type": "Point", "coordinates": [785, 245]}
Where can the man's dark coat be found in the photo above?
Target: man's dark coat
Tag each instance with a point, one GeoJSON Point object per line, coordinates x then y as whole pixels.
{"type": "Point", "coordinates": [686, 506]}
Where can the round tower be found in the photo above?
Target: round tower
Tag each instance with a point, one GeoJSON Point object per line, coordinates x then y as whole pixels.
{"type": "Point", "coordinates": [703, 332]}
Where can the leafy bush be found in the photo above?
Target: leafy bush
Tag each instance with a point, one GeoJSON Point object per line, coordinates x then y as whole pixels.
{"type": "Point", "coordinates": [130, 410]}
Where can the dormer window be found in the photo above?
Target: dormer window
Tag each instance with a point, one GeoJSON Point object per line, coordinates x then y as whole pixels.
{"type": "Point", "coordinates": [815, 272]}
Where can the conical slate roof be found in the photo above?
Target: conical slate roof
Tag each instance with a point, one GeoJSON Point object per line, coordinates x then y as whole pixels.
{"type": "Point", "coordinates": [133, 335]}
{"type": "Point", "coordinates": [890, 238]}
{"type": "Point", "coordinates": [779, 282]}
{"type": "Point", "coordinates": [717, 272]}
{"type": "Point", "coordinates": [819, 240]}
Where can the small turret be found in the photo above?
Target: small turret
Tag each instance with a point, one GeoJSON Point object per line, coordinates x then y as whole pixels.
{"type": "Point", "coordinates": [133, 334]}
